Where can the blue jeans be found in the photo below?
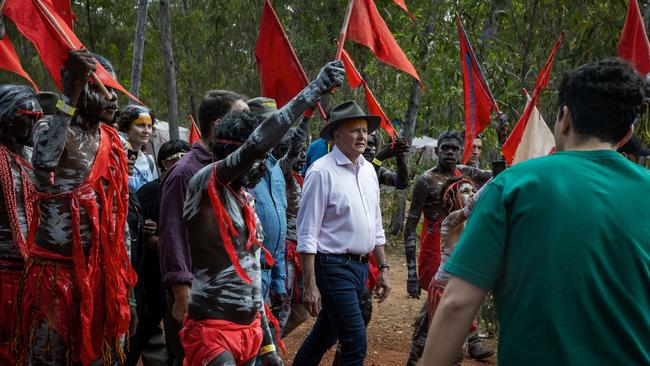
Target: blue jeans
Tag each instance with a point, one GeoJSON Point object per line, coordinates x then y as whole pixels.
{"type": "Point", "coordinates": [341, 283]}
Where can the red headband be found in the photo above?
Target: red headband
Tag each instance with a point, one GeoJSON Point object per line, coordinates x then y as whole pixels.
{"type": "Point", "coordinates": [228, 142]}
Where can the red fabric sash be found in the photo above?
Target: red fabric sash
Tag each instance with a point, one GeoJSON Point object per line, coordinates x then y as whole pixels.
{"type": "Point", "coordinates": [276, 325]}
{"type": "Point", "coordinates": [108, 260]}
{"type": "Point", "coordinates": [9, 194]}
{"type": "Point", "coordinates": [227, 229]}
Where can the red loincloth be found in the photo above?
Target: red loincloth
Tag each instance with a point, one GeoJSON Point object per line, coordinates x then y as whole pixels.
{"type": "Point", "coordinates": [10, 272]}
{"type": "Point", "coordinates": [429, 257]}
{"type": "Point", "coordinates": [205, 340]}
{"type": "Point", "coordinates": [86, 300]}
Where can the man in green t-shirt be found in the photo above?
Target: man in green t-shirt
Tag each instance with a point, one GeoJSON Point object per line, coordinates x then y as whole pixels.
{"type": "Point", "coordinates": [563, 241]}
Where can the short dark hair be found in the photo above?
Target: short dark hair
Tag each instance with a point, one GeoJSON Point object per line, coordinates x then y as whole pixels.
{"type": "Point", "coordinates": [446, 135]}
{"type": "Point", "coordinates": [10, 98]}
{"type": "Point", "coordinates": [215, 104]}
{"type": "Point", "coordinates": [604, 98]}
{"type": "Point", "coordinates": [125, 116]}
{"type": "Point", "coordinates": [237, 127]}
{"type": "Point", "coordinates": [170, 148]}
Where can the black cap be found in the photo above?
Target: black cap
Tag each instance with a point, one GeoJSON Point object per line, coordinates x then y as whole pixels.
{"type": "Point", "coordinates": [633, 146]}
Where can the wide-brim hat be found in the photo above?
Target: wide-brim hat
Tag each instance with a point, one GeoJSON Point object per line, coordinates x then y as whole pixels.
{"type": "Point", "coordinates": [344, 112]}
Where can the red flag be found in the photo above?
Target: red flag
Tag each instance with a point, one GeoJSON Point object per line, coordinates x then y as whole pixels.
{"type": "Point", "coordinates": [64, 8]}
{"type": "Point", "coordinates": [33, 23]}
{"type": "Point", "coordinates": [633, 45]}
{"type": "Point", "coordinates": [402, 4]}
{"type": "Point", "coordinates": [509, 148]}
{"type": "Point", "coordinates": [355, 79]}
{"type": "Point", "coordinates": [368, 28]}
{"type": "Point", "coordinates": [195, 134]}
{"type": "Point", "coordinates": [281, 75]}
{"type": "Point", "coordinates": [10, 62]}
{"type": "Point", "coordinates": [478, 99]}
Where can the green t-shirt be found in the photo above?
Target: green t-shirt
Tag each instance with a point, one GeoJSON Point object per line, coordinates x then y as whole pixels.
{"type": "Point", "coordinates": [564, 243]}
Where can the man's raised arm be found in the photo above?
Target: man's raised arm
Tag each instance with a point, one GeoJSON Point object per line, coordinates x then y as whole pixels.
{"type": "Point", "coordinates": [274, 128]}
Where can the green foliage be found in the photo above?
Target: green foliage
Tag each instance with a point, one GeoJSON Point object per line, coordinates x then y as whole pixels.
{"type": "Point", "coordinates": [214, 43]}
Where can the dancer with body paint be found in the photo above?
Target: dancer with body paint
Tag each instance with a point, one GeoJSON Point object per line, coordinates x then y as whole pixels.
{"type": "Point", "coordinates": [19, 111]}
{"type": "Point", "coordinates": [226, 322]}
{"type": "Point", "coordinates": [76, 292]}
{"type": "Point", "coordinates": [426, 199]}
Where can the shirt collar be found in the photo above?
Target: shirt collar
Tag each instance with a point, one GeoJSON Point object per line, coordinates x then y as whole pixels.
{"type": "Point", "coordinates": [341, 159]}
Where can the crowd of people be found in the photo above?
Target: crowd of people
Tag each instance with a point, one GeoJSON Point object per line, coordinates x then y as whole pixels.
{"type": "Point", "coordinates": [231, 243]}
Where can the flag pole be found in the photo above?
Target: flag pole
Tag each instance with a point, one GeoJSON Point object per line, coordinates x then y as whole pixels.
{"type": "Point", "coordinates": [69, 42]}
{"type": "Point", "coordinates": [344, 29]}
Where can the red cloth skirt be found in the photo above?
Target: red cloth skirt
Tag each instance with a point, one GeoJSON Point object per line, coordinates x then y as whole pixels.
{"type": "Point", "coordinates": [429, 257]}
{"type": "Point", "coordinates": [10, 272]}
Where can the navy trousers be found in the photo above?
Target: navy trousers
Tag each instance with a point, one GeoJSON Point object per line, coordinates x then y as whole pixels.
{"type": "Point", "coordinates": [341, 282]}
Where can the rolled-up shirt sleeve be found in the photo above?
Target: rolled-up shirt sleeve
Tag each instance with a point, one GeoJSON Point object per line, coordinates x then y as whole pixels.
{"type": "Point", "coordinates": [311, 212]}
{"type": "Point", "coordinates": [173, 248]}
{"type": "Point", "coordinates": [380, 236]}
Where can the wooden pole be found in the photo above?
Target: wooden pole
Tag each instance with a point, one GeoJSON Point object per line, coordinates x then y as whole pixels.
{"type": "Point", "coordinates": [69, 41]}
{"type": "Point", "coordinates": [344, 29]}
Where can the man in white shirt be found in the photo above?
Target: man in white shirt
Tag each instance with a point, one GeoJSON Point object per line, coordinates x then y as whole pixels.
{"type": "Point", "coordinates": [339, 225]}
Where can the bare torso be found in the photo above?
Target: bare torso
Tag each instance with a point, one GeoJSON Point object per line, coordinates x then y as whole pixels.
{"type": "Point", "coordinates": [218, 292]}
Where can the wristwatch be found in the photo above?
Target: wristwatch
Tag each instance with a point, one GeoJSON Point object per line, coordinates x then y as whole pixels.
{"type": "Point", "coordinates": [384, 266]}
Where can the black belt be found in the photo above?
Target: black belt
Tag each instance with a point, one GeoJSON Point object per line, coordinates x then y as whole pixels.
{"type": "Point", "coordinates": [359, 258]}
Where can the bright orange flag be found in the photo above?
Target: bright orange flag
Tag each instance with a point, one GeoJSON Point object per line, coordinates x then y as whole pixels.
{"type": "Point", "coordinates": [10, 62]}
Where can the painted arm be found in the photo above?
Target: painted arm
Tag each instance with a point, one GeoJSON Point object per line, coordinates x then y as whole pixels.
{"type": "Point", "coordinates": [297, 146]}
{"type": "Point", "coordinates": [453, 317]}
{"type": "Point", "coordinates": [274, 128]}
{"type": "Point", "coordinates": [51, 134]}
{"type": "Point", "coordinates": [410, 241]}
{"type": "Point", "coordinates": [480, 176]}
{"type": "Point", "coordinates": [269, 358]}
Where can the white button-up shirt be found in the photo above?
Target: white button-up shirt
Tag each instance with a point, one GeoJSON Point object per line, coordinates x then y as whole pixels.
{"type": "Point", "coordinates": [339, 209]}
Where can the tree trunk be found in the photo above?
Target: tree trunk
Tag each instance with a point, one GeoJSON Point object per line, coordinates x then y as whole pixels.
{"type": "Point", "coordinates": [525, 65]}
{"type": "Point", "coordinates": [138, 48]}
{"type": "Point", "coordinates": [170, 71]}
{"type": "Point", "coordinates": [408, 132]}
{"type": "Point", "coordinates": [91, 40]}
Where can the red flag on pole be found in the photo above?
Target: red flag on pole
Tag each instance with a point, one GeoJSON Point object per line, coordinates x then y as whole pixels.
{"type": "Point", "coordinates": [478, 99]}
{"type": "Point", "coordinates": [195, 134]}
{"type": "Point", "coordinates": [633, 45]}
{"type": "Point", "coordinates": [33, 22]}
{"type": "Point", "coordinates": [10, 62]}
{"type": "Point", "coordinates": [402, 4]}
{"type": "Point", "coordinates": [368, 28]}
{"type": "Point", "coordinates": [281, 75]}
{"type": "Point", "coordinates": [64, 8]}
{"type": "Point", "coordinates": [509, 148]}
{"type": "Point", "coordinates": [355, 79]}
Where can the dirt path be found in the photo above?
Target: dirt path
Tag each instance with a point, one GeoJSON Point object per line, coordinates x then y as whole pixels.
{"type": "Point", "coordinates": [389, 332]}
